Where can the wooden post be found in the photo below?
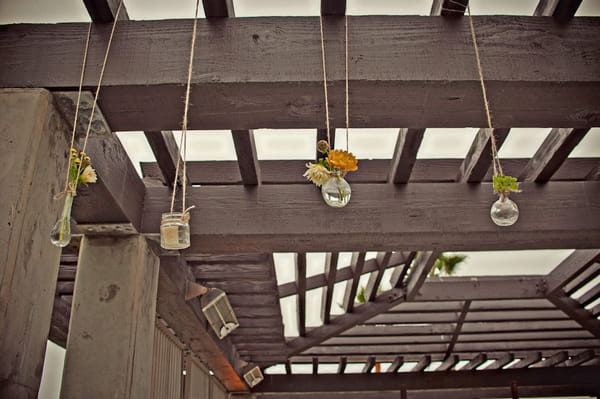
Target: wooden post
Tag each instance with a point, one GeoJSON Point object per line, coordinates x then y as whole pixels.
{"type": "Point", "coordinates": [109, 348]}
{"type": "Point", "coordinates": [32, 166]}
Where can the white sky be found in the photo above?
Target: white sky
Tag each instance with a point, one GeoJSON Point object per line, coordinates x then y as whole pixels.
{"type": "Point", "coordinates": [299, 144]}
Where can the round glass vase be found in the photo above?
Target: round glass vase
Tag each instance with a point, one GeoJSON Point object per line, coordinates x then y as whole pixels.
{"type": "Point", "coordinates": [61, 232]}
{"type": "Point", "coordinates": [174, 230]}
{"type": "Point", "coordinates": [336, 191]}
{"type": "Point", "coordinates": [504, 212]}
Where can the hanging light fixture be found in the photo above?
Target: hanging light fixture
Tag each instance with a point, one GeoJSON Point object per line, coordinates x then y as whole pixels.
{"type": "Point", "coordinates": [253, 375]}
{"type": "Point", "coordinates": [215, 306]}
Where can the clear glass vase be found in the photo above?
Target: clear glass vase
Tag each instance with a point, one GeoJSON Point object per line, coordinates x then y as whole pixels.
{"type": "Point", "coordinates": [174, 230]}
{"type": "Point", "coordinates": [336, 192]}
{"type": "Point", "coordinates": [61, 233]}
{"type": "Point", "coordinates": [504, 212]}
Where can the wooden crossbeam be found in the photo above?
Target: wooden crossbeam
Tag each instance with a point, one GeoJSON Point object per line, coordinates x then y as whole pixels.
{"type": "Point", "coordinates": [342, 365]}
{"type": "Point", "coordinates": [383, 260]}
{"type": "Point", "coordinates": [552, 153]}
{"type": "Point", "coordinates": [400, 272]}
{"type": "Point", "coordinates": [575, 311]}
{"type": "Point", "coordinates": [590, 296]}
{"type": "Point", "coordinates": [140, 94]}
{"type": "Point", "coordinates": [165, 150]}
{"type": "Point", "coordinates": [369, 364]}
{"type": "Point", "coordinates": [448, 363]}
{"type": "Point", "coordinates": [475, 362]}
{"type": "Point", "coordinates": [525, 362]}
{"type": "Point", "coordinates": [477, 162]}
{"type": "Point", "coordinates": [333, 7]}
{"type": "Point", "coordinates": [357, 264]}
{"type": "Point", "coordinates": [561, 10]}
{"type": "Point", "coordinates": [421, 267]}
{"type": "Point", "coordinates": [569, 269]}
{"type": "Point", "coordinates": [433, 380]}
{"type": "Point", "coordinates": [331, 260]}
{"type": "Point", "coordinates": [315, 365]}
{"type": "Point", "coordinates": [582, 278]}
{"type": "Point", "coordinates": [395, 365]}
{"type": "Point", "coordinates": [245, 150]}
{"type": "Point", "coordinates": [405, 155]}
{"type": "Point", "coordinates": [449, 8]}
{"type": "Point", "coordinates": [553, 360]}
{"type": "Point", "coordinates": [458, 328]}
{"type": "Point", "coordinates": [501, 361]}
{"type": "Point", "coordinates": [218, 8]}
{"type": "Point", "coordinates": [301, 283]}
{"type": "Point", "coordinates": [580, 358]}
{"type": "Point", "coordinates": [103, 11]}
{"type": "Point", "coordinates": [422, 364]}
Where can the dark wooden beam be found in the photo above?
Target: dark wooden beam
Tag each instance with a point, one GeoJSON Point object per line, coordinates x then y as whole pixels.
{"type": "Point", "coordinates": [187, 319]}
{"type": "Point", "coordinates": [575, 376]}
{"type": "Point", "coordinates": [371, 171]}
{"type": "Point", "coordinates": [357, 264]}
{"type": "Point", "coordinates": [570, 268]}
{"type": "Point", "coordinates": [165, 150]}
{"type": "Point", "coordinates": [383, 260]}
{"type": "Point", "coordinates": [333, 7]}
{"type": "Point", "coordinates": [458, 328]}
{"type": "Point", "coordinates": [246, 155]}
{"type": "Point", "coordinates": [419, 271]}
{"type": "Point", "coordinates": [396, 364]}
{"type": "Point", "coordinates": [594, 174]}
{"type": "Point", "coordinates": [315, 365]}
{"type": "Point", "coordinates": [104, 11]}
{"type": "Point", "coordinates": [589, 296]}
{"type": "Point", "coordinates": [331, 261]}
{"type": "Point", "coordinates": [369, 364]}
{"type": "Point", "coordinates": [479, 158]}
{"type": "Point", "coordinates": [552, 153]}
{"type": "Point", "coordinates": [580, 358]}
{"type": "Point", "coordinates": [422, 364]}
{"type": "Point", "coordinates": [525, 362]}
{"type": "Point", "coordinates": [449, 8]}
{"type": "Point", "coordinates": [301, 283]}
{"type": "Point", "coordinates": [342, 365]}
{"type": "Point", "coordinates": [399, 274]}
{"type": "Point", "coordinates": [140, 94]}
{"type": "Point", "coordinates": [218, 8]}
{"type": "Point", "coordinates": [582, 278]}
{"type": "Point", "coordinates": [448, 363]}
{"type": "Point", "coordinates": [561, 10]}
{"type": "Point", "coordinates": [501, 361]}
{"type": "Point", "coordinates": [575, 311]}
{"type": "Point", "coordinates": [553, 360]}
{"type": "Point", "coordinates": [405, 155]}
{"type": "Point", "coordinates": [288, 368]}
{"type": "Point", "coordinates": [475, 362]}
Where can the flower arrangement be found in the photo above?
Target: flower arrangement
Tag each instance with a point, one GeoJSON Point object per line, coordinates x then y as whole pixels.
{"type": "Point", "coordinates": [503, 185]}
{"type": "Point", "coordinates": [80, 172]}
{"type": "Point", "coordinates": [329, 171]}
{"type": "Point", "coordinates": [504, 212]}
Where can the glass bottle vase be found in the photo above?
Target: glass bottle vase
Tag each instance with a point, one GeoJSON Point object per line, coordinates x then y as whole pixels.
{"type": "Point", "coordinates": [61, 233]}
{"type": "Point", "coordinates": [504, 212]}
{"type": "Point", "coordinates": [174, 230]}
{"type": "Point", "coordinates": [336, 191]}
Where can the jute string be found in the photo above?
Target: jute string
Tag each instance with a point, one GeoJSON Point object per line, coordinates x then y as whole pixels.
{"type": "Point", "coordinates": [72, 188]}
{"type": "Point", "coordinates": [181, 155]}
{"type": "Point", "coordinates": [347, 92]}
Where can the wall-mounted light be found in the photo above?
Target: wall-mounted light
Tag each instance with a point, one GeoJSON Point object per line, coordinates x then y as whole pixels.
{"type": "Point", "coordinates": [215, 306]}
{"type": "Point", "coordinates": [253, 375]}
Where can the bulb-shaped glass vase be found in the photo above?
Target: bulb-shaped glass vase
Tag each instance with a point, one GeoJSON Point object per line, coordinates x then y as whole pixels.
{"type": "Point", "coordinates": [504, 212]}
{"type": "Point", "coordinates": [61, 233]}
{"type": "Point", "coordinates": [336, 191]}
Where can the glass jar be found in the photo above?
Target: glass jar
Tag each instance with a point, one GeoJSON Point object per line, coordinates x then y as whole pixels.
{"type": "Point", "coordinates": [504, 212]}
{"type": "Point", "coordinates": [336, 191]}
{"type": "Point", "coordinates": [175, 230]}
{"type": "Point", "coordinates": [61, 233]}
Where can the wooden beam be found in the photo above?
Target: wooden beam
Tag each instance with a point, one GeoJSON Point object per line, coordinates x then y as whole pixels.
{"type": "Point", "coordinates": [315, 365]}
{"type": "Point", "coordinates": [475, 362]}
{"type": "Point", "coordinates": [458, 328]}
{"type": "Point", "coordinates": [422, 364]}
{"type": "Point", "coordinates": [399, 274]}
{"type": "Point", "coordinates": [396, 364]}
{"type": "Point", "coordinates": [561, 10]}
{"type": "Point", "coordinates": [369, 364]}
{"type": "Point", "coordinates": [552, 153]}
{"type": "Point", "coordinates": [433, 380]}
{"type": "Point", "coordinates": [331, 260]}
{"type": "Point", "coordinates": [449, 8]}
{"type": "Point", "coordinates": [580, 358]}
{"type": "Point", "coordinates": [218, 8]}
{"type": "Point", "coordinates": [301, 283]}
{"type": "Point", "coordinates": [165, 150]}
{"type": "Point", "coordinates": [246, 156]}
{"type": "Point", "coordinates": [553, 360]}
{"type": "Point", "coordinates": [382, 217]}
{"type": "Point", "coordinates": [575, 311]}
{"type": "Point", "coordinates": [383, 302]}
{"type": "Point", "coordinates": [342, 365]}
{"type": "Point", "coordinates": [479, 158]}
{"type": "Point", "coordinates": [448, 363]}
{"type": "Point", "coordinates": [570, 268]}
{"type": "Point", "coordinates": [419, 271]}
{"type": "Point", "coordinates": [383, 260]}
{"type": "Point", "coordinates": [582, 278]}
{"type": "Point", "coordinates": [405, 155]}
{"type": "Point", "coordinates": [104, 11]}
{"type": "Point", "coordinates": [357, 264]}
{"type": "Point", "coordinates": [525, 362]}
{"type": "Point", "coordinates": [501, 361]}
{"type": "Point", "coordinates": [187, 319]}
{"type": "Point", "coordinates": [288, 94]}
{"type": "Point", "coordinates": [333, 7]}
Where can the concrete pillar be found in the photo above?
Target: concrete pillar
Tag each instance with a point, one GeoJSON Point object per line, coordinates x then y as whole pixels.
{"type": "Point", "coordinates": [109, 348]}
{"type": "Point", "coordinates": [33, 150]}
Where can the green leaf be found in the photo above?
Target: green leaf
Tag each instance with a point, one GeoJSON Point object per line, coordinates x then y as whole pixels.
{"type": "Point", "coordinates": [504, 184]}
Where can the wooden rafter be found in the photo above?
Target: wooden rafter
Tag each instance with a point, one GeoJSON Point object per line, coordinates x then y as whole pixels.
{"type": "Point", "coordinates": [357, 264]}
{"type": "Point", "coordinates": [395, 365]}
{"type": "Point", "coordinates": [405, 155]}
{"type": "Point", "coordinates": [301, 284]}
{"type": "Point", "coordinates": [103, 11]}
{"type": "Point", "coordinates": [528, 360]}
{"type": "Point", "coordinates": [580, 358]}
{"type": "Point", "coordinates": [369, 364]}
{"type": "Point", "coordinates": [565, 87]}
{"type": "Point", "coordinates": [383, 261]}
{"type": "Point", "coordinates": [552, 153]}
{"type": "Point", "coordinates": [477, 163]}
{"type": "Point", "coordinates": [245, 150]}
{"type": "Point", "coordinates": [419, 271]}
{"type": "Point", "coordinates": [447, 364]}
{"type": "Point", "coordinates": [218, 8]}
{"type": "Point", "coordinates": [570, 268]}
{"type": "Point", "coordinates": [561, 10]}
{"type": "Point", "coordinates": [575, 311]}
{"type": "Point", "coordinates": [458, 328]}
{"type": "Point", "coordinates": [330, 275]}
{"type": "Point", "coordinates": [165, 151]}
{"type": "Point", "coordinates": [333, 7]}
{"type": "Point", "coordinates": [399, 274]}
{"type": "Point", "coordinates": [475, 362]}
{"type": "Point", "coordinates": [553, 360]}
{"type": "Point", "coordinates": [449, 8]}
{"type": "Point", "coordinates": [501, 361]}
{"type": "Point", "coordinates": [342, 365]}
{"type": "Point", "coordinates": [422, 364]}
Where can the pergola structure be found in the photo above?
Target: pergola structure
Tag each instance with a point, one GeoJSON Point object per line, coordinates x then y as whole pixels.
{"type": "Point", "coordinates": [426, 337]}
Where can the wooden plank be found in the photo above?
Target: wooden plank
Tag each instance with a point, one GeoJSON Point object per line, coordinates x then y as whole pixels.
{"type": "Point", "coordinates": [582, 279]}
{"type": "Point", "coordinates": [553, 360]}
{"type": "Point", "coordinates": [449, 8]}
{"type": "Point", "coordinates": [479, 157]}
{"type": "Point", "coordinates": [580, 358]}
{"type": "Point", "coordinates": [458, 328]}
{"type": "Point", "coordinates": [405, 155]}
{"type": "Point", "coordinates": [399, 274]}
{"type": "Point", "coordinates": [371, 171]}
{"type": "Point", "coordinates": [331, 260]}
{"type": "Point", "coordinates": [570, 268]}
{"type": "Point", "coordinates": [526, 361]}
{"type": "Point", "coordinates": [315, 365]}
{"type": "Point", "coordinates": [501, 361]}
{"type": "Point", "coordinates": [590, 296]}
{"type": "Point", "coordinates": [418, 273]}
{"type": "Point", "coordinates": [287, 94]}
{"type": "Point", "coordinates": [103, 11]}
{"type": "Point", "coordinates": [422, 364]}
{"type": "Point", "coordinates": [301, 302]}
{"type": "Point", "coordinates": [448, 363]}
{"type": "Point", "coordinates": [430, 380]}
{"type": "Point", "coordinates": [218, 8]}
{"type": "Point", "coordinates": [561, 10]}
{"type": "Point", "coordinates": [342, 365]}
{"type": "Point", "coordinates": [475, 362]}
{"type": "Point", "coordinates": [165, 151]}
{"type": "Point", "coordinates": [333, 7]}
{"type": "Point", "coordinates": [395, 365]}
{"type": "Point", "coordinates": [383, 260]}
{"type": "Point", "coordinates": [369, 364]}
{"type": "Point", "coordinates": [357, 264]}
{"type": "Point", "coordinates": [594, 174]}
{"type": "Point", "coordinates": [246, 155]}
{"type": "Point", "coordinates": [552, 153]}
{"type": "Point", "coordinates": [575, 311]}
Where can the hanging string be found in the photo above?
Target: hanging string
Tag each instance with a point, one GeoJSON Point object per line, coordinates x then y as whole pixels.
{"type": "Point", "coordinates": [76, 117]}
{"type": "Point", "coordinates": [347, 92]}
{"type": "Point", "coordinates": [324, 80]}
{"type": "Point", "coordinates": [184, 125]}
{"type": "Point", "coordinates": [495, 159]}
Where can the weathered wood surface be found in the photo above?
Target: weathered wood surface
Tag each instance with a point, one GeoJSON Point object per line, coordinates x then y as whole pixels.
{"type": "Point", "coordinates": [245, 150]}
{"type": "Point", "coordinates": [405, 155]}
{"type": "Point", "coordinates": [371, 171]}
{"type": "Point", "coordinates": [476, 164]}
{"type": "Point", "coordinates": [383, 217]}
{"type": "Point", "coordinates": [165, 150]}
{"type": "Point", "coordinates": [551, 79]}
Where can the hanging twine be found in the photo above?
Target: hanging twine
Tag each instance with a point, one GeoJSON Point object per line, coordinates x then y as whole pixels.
{"type": "Point", "coordinates": [347, 92]}
{"type": "Point", "coordinates": [495, 159]}
{"type": "Point", "coordinates": [184, 126]}
{"type": "Point", "coordinates": [71, 188]}
{"type": "Point", "coordinates": [325, 80]}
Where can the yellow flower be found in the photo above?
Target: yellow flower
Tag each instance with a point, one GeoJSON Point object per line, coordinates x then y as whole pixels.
{"type": "Point", "coordinates": [317, 174]}
{"type": "Point", "coordinates": [342, 160]}
{"type": "Point", "coordinates": [88, 175]}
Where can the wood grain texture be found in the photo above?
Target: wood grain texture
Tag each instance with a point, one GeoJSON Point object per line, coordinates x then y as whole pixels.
{"type": "Point", "coordinates": [554, 68]}
{"type": "Point", "coordinates": [405, 155]}
{"type": "Point", "coordinates": [416, 216]}
{"type": "Point", "coordinates": [477, 162]}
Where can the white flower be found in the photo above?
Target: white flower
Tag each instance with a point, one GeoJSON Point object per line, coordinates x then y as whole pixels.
{"type": "Point", "coordinates": [317, 174]}
{"type": "Point", "coordinates": [88, 175]}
